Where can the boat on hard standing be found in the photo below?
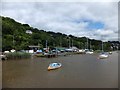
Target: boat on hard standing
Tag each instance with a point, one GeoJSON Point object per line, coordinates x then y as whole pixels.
{"type": "Point", "coordinates": [53, 66]}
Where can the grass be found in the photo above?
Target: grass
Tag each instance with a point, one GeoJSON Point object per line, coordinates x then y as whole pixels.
{"type": "Point", "coordinates": [18, 55]}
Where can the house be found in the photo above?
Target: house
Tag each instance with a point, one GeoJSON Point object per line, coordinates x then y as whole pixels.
{"type": "Point", "coordinates": [13, 50]}
{"type": "Point", "coordinates": [28, 31]}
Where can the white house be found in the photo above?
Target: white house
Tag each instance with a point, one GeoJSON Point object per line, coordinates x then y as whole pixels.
{"type": "Point", "coordinates": [12, 50]}
{"type": "Point", "coordinates": [29, 31]}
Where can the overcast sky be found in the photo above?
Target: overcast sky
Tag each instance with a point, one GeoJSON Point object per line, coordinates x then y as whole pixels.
{"type": "Point", "coordinates": [96, 20]}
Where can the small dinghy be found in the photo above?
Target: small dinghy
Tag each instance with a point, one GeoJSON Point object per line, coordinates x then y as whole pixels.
{"type": "Point", "coordinates": [53, 66]}
{"type": "Point", "coordinates": [103, 56]}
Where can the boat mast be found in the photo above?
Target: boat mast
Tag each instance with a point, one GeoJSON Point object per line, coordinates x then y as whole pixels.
{"type": "Point", "coordinates": [46, 43]}
{"type": "Point", "coordinates": [87, 43]}
{"type": "Point", "coordinates": [69, 42]}
{"type": "Point", "coordinates": [102, 46]}
{"type": "Point", "coordinates": [90, 44]}
{"type": "Point", "coordinates": [60, 42]}
{"type": "Point", "coordinates": [13, 42]}
{"type": "Point", "coordinates": [72, 42]}
{"type": "Point", "coordinates": [102, 42]}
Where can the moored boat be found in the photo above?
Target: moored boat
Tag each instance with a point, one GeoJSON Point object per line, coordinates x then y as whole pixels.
{"type": "Point", "coordinates": [53, 66]}
{"type": "Point", "coordinates": [89, 52]}
{"type": "Point", "coordinates": [103, 56]}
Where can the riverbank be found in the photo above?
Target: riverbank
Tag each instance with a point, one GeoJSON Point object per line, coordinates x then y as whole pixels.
{"type": "Point", "coordinates": [23, 55]}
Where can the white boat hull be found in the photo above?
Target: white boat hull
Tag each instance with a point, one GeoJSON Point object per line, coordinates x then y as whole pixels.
{"type": "Point", "coordinates": [54, 67]}
{"type": "Point", "coordinates": [89, 52]}
{"type": "Point", "coordinates": [103, 56]}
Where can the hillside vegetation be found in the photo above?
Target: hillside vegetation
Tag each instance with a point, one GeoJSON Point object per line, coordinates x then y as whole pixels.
{"type": "Point", "coordinates": [14, 36]}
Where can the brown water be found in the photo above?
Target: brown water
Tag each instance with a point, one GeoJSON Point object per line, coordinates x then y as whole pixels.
{"type": "Point", "coordinates": [77, 71]}
{"type": "Point", "coordinates": [0, 74]}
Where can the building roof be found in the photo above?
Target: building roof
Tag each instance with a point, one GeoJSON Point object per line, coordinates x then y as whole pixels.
{"type": "Point", "coordinates": [33, 46]}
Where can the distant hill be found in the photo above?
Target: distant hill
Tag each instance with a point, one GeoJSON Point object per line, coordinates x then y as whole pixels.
{"type": "Point", "coordinates": [14, 36]}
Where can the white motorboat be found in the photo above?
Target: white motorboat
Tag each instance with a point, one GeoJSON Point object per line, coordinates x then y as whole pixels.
{"type": "Point", "coordinates": [89, 52]}
{"type": "Point", "coordinates": [81, 51]}
{"type": "Point", "coordinates": [103, 56]}
{"type": "Point", "coordinates": [53, 66]}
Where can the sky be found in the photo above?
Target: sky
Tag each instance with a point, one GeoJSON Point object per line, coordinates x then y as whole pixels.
{"type": "Point", "coordinates": [95, 20]}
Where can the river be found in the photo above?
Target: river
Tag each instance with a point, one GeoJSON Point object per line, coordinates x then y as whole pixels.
{"type": "Point", "coordinates": [77, 71]}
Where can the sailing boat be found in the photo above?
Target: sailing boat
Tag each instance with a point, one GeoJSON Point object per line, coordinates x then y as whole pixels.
{"type": "Point", "coordinates": [103, 55]}
{"type": "Point", "coordinates": [87, 50]}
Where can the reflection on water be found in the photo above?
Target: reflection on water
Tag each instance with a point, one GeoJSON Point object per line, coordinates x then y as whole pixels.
{"type": "Point", "coordinates": [77, 71]}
